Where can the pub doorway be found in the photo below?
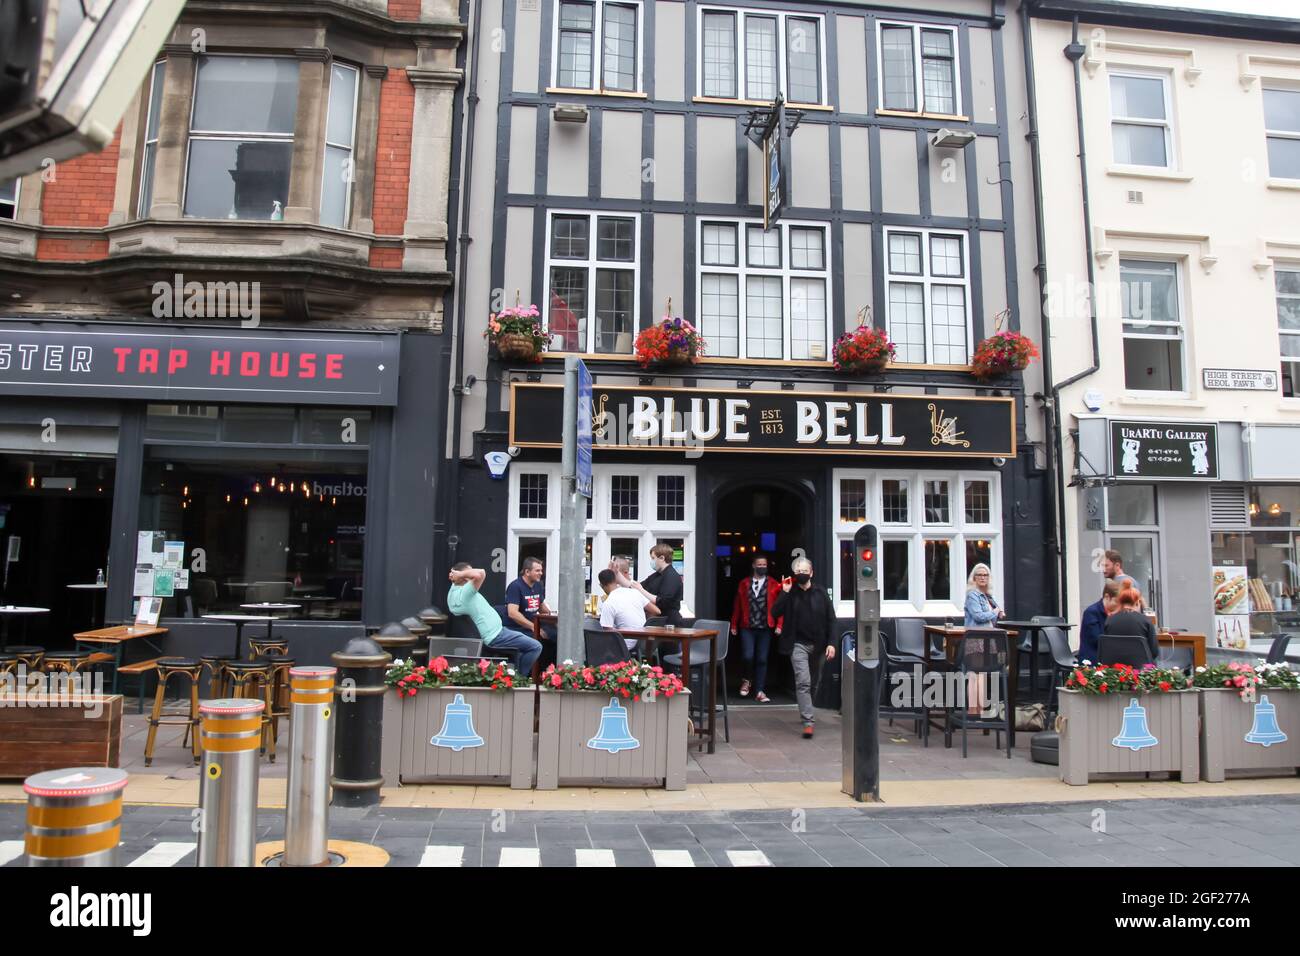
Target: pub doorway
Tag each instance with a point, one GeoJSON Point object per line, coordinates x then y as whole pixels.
{"type": "Point", "coordinates": [756, 519]}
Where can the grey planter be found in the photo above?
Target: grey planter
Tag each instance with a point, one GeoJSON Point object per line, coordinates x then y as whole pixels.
{"type": "Point", "coordinates": [485, 738]}
{"type": "Point", "coordinates": [1236, 735]}
{"type": "Point", "coordinates": [578, 740]}
{"type": "Point", "coordinates": [1100, 734]}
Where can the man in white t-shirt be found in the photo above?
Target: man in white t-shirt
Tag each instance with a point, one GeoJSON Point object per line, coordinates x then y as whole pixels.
{"type": "Point", "coordinates": [623, 606]}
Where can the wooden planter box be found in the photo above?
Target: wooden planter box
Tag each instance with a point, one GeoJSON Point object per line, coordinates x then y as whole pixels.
{"type": "Point", "coordinates": [578, 741]}
{"type": "Point", "coordinates": [1090, 726]}
{"type": "Point", "coordinates": [499, 751]}
{"type": "Point", "coordinates": [1227, 720]}
{"type": "Point", "coordinates": [33, 739]}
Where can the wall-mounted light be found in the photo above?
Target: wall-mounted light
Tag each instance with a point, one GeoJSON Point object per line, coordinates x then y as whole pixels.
{"type": "Point", "coordinates": [257, 487]}
{"type": "Point", "coordinates": [952, 138]}
{"type": "Point", "coordinates": [569, 113]}
{"type": "Point", "coordinates": [1254, 508]}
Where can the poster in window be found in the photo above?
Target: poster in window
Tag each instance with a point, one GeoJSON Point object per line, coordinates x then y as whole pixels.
{"type": "Point", "coordinates": [164, 583]}
{"type": "Point", "coordinates": [173, 555]}
{"type": "Point", "coordinates": [143, 586]}
{"type": "Point", "coordinates": [148, 610]}
{"type": "Point", "coordinates": [1231, 596]}
{"type": "Point", "coordinates": [150, 548]}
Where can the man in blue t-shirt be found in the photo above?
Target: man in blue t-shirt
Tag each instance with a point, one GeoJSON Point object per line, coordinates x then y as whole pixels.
{"type": "Point", "coordinates": [463, 598]}
{"type": "Point", "coordinates": [523, 602]}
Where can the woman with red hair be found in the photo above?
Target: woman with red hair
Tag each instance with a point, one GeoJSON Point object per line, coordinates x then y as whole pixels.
{"type": "Point", "coordinates": [1129, 621]}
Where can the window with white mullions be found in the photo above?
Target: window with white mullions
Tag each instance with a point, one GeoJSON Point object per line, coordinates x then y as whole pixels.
{"type": "Point", "coordinates": [915, 58]}
{"type": "Point", "coordinates": [336, 183]}
{"type": "Point", "coordinates": [150, 151]}
{"type": "Point", "coordinates": [532, 496]}
{"type": "Point", "coordinates": [670, 503]}
{"type": "Point", "coordinates": [755, 54]}
{"type": "Point", "coordinates": [620, 47]}
{"type": "Point", "coordinates": [928, 296]}
{"type": "Point", "coordinates": [592, 280]}
{"type": "Point", "coordinates": [577, 45]}
{"type": "Point", "coordinates": [1151, 309]}
{"type": "Point", "coordinates": [598, 46]}
{"type": "Point", "coordinates": [1282, 128]}
{"type": "Point", "coordinates": [1139, 112]}
{"type": "Point", "coordinates": [1287, 282]}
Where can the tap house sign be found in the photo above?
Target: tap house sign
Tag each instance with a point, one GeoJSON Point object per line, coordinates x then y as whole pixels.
{"type": "Point", "coordinates": [1165, 450]}
{"type": "Point", "coordinates": [693, 421]}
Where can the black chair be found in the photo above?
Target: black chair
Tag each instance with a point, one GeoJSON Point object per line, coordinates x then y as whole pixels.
{"type": "Point", "coordinates": [699, 660]}
{"type": "Point", "coordinates": [1277, 651]}
{"type": "Point", "coordinates": [897, 663]}
{"type": "Point", "coordinates": [604, 647]}
{"type": "Point", "coordinates": [982, 655]}
{"type": "Point", "coordinates": [1062, 661]}
{"type": "Point", "coordinates": [1123, 649]}
{"type": "Point", "coordinates": [910, 640]}
{"type": "Point", "coordinates": [905, 659]}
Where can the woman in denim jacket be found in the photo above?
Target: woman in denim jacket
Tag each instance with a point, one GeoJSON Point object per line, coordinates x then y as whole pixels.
{"type": "Point", "coordinates": [981, 609]}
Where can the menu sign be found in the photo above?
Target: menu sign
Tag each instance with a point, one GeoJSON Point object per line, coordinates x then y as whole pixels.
{"type": "Point", "coordinates": [1168, 451]}
{"type": "Point", "coordinates": [693, 421]}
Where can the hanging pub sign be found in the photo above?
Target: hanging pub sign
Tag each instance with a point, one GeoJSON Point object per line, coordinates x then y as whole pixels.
{"type": "Point", "coordinates": [1165, 450]}
{"type": "Point", "coordinates": [774, 194]}
{"type": "Point", "coordinates": [693, 421]}
{"type": "Point", "coordinates": [196, 364]}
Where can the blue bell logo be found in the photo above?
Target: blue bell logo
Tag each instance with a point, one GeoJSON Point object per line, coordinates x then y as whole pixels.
{"type": "Point", "coordinates": [1135, 734]}
{"type": "Point", "coordinates": [613, 734]}
{"type": "Point", "coordinates": [1265, 731]}
{"type": "Point", "coordinates": [457, 727]}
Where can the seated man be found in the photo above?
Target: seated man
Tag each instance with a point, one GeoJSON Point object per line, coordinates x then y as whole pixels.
{"type": "Point", "coordinates": [524, 601]}
{"type": "Point", "coordinates": [463, 598]}
{"type": "Point", "coordinates": [623, 606]}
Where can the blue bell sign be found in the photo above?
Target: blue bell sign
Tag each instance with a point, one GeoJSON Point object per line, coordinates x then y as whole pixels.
{"type": "Point", "coordinates": [613, 734]}
{"type": "Point", "coordinates": [457, 727]}
{"type": "Point", "coordinates": [1135, 735]}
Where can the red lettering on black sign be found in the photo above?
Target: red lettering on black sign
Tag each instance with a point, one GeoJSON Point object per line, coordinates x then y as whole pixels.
{"type": "Point", "coordinates": [279, 364]}
{"type": "Point", "coordinates": [177, 359]}
{"type": "Point", "coordinates": [121, 354]}
{"type": "Point", "coordinates": [250, 363]}
{"type": "Point", "coordinates": [220, 364]}
{"type": "Point", "coordinates": [148, 361]}
{"type": "Point", "coordinates": [334, 365]}
{"type": "Point", "coordinates": [307, 365]}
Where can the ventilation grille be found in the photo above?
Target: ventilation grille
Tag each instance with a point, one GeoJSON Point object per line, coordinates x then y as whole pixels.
{"type": "Point", "coordinates": [1228, 506]}
{"type": "Point", "coordinates": [1135, 196]}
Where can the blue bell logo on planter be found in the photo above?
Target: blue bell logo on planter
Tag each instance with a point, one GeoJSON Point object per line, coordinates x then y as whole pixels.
{"type": "Point", "coordinates": [457, 727]}
{"type": "Point", "coordinates": [1265, 731]}
{"type": "Point", "coordinates": [1134, 734]}
{"type": "Point", "coordinates": [613, 734]}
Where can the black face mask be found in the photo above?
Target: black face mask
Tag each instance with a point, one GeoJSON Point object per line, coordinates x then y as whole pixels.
{"type": "Point", "coordinates": [802, 579]}
{"type": "Point", "coordinates": [760, 572]}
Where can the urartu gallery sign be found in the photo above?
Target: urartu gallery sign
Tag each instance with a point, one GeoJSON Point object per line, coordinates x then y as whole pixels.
{"type": "Point", "coordinates": [689, 419]}
{"type": "Point", "coordinates": [1168, 450]}
{"type": "Point", "coordinates": [159, 363]}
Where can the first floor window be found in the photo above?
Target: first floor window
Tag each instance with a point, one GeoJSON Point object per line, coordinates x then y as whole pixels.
{"type": "Point", "coordinates": [591, 302]}
{"type": "Point", "coordinates": [1153, 331]}
{"type": "Point", "coordinates": [1282, 124]}
{"type": "Point", "coordinates": [755, 54]}
{"type": "Point", "coordinates": [336, 185]}
{"type": "Point", "coordinates": [597, 46]}
{"type": "Point", "coordinates": [923, 59]}
{"type": "Point", "coordinates": [9, 199]}
{"type": "Point", "coordinates": [151, 138]}
{"type": "Point", "coordinates": [1139, 126]}
{"type": "Point", "coordinates": [928, 296]}
{"type": "Point", "coordinates": [1287, 282]}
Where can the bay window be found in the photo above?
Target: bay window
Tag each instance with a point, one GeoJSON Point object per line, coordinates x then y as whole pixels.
{"type": "Point", "coordinates": [752, 55]}
{"type": "Point", "coordinates": [150, 152]}
{"type": "Point", "coordinates": [592, 269]}
{"type": "Point", "coordinates": [9, 199]}
{"type": "Point", "coordinates": [928, 296]}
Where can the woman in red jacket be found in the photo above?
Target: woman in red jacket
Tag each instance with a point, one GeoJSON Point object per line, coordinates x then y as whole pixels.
{"type": "Point", "coordinates": [751, 616]}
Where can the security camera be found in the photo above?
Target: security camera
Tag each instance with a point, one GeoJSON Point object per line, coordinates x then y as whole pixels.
{"type": "Point", "coordinates": [999, 462]}
{"type": "Point", "coordinates": [514, 451]}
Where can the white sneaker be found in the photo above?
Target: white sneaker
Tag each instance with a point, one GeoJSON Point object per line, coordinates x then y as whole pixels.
{"type": "Point", "coordinates": [762, 698]}
{"type": "Point", "coordinates": [744, 688]}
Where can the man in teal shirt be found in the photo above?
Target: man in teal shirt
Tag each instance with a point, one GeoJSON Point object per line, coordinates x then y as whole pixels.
{"type": "Point", "coordinates": [464, 599]}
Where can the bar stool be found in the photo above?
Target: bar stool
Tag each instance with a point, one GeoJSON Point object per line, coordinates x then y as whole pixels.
{"type": "Point", "coordinates": [66, 662]}
{"type": "Point", "coordinates": [9, 663]}
{"type": "Point", "coordinates": [252, 680]}
{"type": "Point", "coordinates": [218, 681]}
{"type": "Point", "coordinates": [185, 668]}
{"type": "Point", "coordinates": [28, 654]}
{"type": "Point", "coordinates": [278, 707]}
{"type": "Point", "coordinates": [260, 647]}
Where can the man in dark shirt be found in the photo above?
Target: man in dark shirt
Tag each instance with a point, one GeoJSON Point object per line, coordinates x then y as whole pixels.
{"type": "Point", "coordinates": [807, 630]}
{"type": "Point", "coordinates": [523, 602]}
{"type": "Point", "coordinates": [665, 585]}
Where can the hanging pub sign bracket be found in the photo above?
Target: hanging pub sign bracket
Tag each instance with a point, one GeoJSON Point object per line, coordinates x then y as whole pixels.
{"type": "Point", "coordinates": [769, 129]}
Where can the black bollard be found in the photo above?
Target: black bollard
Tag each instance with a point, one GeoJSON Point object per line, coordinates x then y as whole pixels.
{"type": "Point", "coordinates": [360, 713]}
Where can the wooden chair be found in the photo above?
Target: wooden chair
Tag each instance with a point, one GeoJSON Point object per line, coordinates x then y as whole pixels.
{"type": "Point", "coordinates": [185, 668]}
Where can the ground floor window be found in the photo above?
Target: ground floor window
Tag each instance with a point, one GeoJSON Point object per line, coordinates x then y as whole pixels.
{"type": "Point", "coordinates": [1256, 570]}
{"type": "Point", "coordinates": [934, 527]}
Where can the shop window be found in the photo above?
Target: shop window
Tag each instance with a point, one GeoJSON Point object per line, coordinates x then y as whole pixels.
{"type": "Point", "coordinates": [1282, 124]}
{"type": "Point", "coordinates": [937, 568]}
{"type": "Point", "coordinates": [241, 137]}
{"type": "Point", "coordinates": [1131, 505]}
{"type": "Point", "coordinates": [335, 426]}
{"type": "Point", "coordinates": [1274, 506]}
{"type": "Point", "coordinates": [894, 500]}
{"type": "Point", "coordinates": [937, 509]}
{"type": "Point", "coordinates": [1287, 282]}
{"type": "Point", "coordinates": [1153, 330]}
{"type": "Point", "coordinates": [753, 55]}
{"type": "Point", "coordinates": [9, 199]}
{"type": "Point", "coordinates": [597, 46]}
{"type": "Point", "coordinates": [532, 496]}
{"type": "Point", "coordinates": [625, 498]}
{"type": "Point", "coordinates": [671, 497]}
{"type": "Point", "coordinates": [1139, 111]}
{"type": "Point", "coordinates": [894, 559]}
{"type": "Point", "coordinates": [261, 424]}
{"type": "Point", "coordinates": [928, 296]}
{"type": "Point", "coordinates": [266, 530]}
{"type": "Point", "coordinates": [628, 549]}
{"type": "Point", "coordinates": [183, 422]}
{"type": "Point", "coordinates": [1271, 600]}
{"type": "Point", "coordinates": [916, 58]}
{"type": "Point", "coordinates": [336, 181]}
{"type": "Point", "coordinates": [592, 280]}
{"type": "Point", "coordinates": [978, 497]}
{"type": "Point", "coordinates": [150, 152]}
{"type": "Point", "coordinates": [853, 500]}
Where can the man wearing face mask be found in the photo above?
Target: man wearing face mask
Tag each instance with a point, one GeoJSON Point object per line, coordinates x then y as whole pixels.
{"type": "Point", "coordinates": [753, 620]}
{"type": "Point", "coordinates": [807, 628]}
{"type": "Point", "coordinates": [664, 587]}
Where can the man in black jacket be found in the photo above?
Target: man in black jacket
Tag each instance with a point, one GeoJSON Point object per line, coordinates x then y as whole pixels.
{"type": "Point", "coordinates": [807, 628]}
{"type": "Point", "coordinates": [665, 585]}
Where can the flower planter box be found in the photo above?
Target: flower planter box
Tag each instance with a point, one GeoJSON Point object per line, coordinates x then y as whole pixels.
{"type": "Point", "coordinates": [1100, 734]}
{"type": "Point", "coordinates": [579, 741]}
{"type": "Point", "coordinates": [495, 738]}
{"type": "Point", "coordinates": [1235, 735]}
{"type": "Point", "coordinates": [71, 731]}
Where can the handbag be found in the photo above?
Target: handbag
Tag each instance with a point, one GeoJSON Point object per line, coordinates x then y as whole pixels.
{"type": "Point", "coordinates": [826, 695]}
{"type": "Point", "coordinates": [1029, 717]}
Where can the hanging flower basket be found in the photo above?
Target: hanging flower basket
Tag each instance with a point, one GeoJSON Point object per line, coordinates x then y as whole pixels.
{"type": "Point", "coordinates": [1001, 354]}
{"type": "Point", "coordinates": [864, 350]}
{"type": "Point", "coordinates": [670, 341]}
{"type": "Point", "coordinates": [517, 333]}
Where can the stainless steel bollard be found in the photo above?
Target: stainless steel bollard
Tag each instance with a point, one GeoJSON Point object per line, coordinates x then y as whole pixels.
{"type": "Point", "coordinates": [306, 824]}
{"type": "Point", "coordinates": [74, 817]}
{"type": "Point", "coordinates": [231, 738]}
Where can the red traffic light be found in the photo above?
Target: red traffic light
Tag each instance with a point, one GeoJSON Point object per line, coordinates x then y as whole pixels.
{"type": "Point", "coordinates": [867, 554]}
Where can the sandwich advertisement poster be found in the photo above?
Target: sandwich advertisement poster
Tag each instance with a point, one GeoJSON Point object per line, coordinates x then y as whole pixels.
{"type": "Point", "coordinates": [1231, 607]}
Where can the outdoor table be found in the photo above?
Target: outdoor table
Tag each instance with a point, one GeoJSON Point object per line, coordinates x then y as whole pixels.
{"type": "Point", "coordinates": [11, 610]}
{"type": "Point", "coordinates": [1034, 630]}
{"type": "Point", "coordinates": [952, 637]}
{"type": "Point", "coordinates": [117, 639]}
{"type": "Point", "coordinates": [308, 600]}
{"type": "Point", "coordinates": [683, 636]}
{"type": "Point", "coordinates": [239, 620]}
{"type": "Point", "coordinates": [271, 606]}
{"type": "Point", "coordinates": [95, 616]}
{"type": "Point", "coordinates": [307, 589]}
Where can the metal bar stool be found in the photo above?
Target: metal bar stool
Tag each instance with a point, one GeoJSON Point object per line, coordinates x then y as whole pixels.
{"type": "Point", "coordinates": [279, 706]}
{"type": "Point", "coordinates": [252, 680]}
{"type": "Point", "coordinates": [186, 668]}
{"type": "Point", "coordinates": [218, 680]}
{"type": "Point", "coordinates": [28, 654]}
{"type": "Point", "coordinates": [66, 662]}
{"type": "Point", "coordinates": [9, 663]}
{"type": "Point", "coordinates": [259, 647]}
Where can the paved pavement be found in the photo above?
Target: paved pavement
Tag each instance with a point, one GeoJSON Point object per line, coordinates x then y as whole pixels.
{"type": "Point", "coordinates": [1203, 832]}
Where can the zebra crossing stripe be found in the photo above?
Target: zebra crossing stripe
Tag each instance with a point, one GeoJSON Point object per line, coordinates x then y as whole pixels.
{"type": "Point", "coordinates": [164, 854]}
{"type": "Point", "coordinates": [672, 857]}
{"type": "Point", "coordinates": [748, 858]}
{"type": "Point", "coordinates": [443, 856]}
{"type": "Point", "coordinates": [10, 850]}
{"type": "Point", "coordinates": [596, 858]}
{"type": "Point", "coordinates": [520, 856]}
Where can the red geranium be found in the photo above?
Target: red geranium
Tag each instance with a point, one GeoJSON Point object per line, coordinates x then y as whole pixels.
{"type": "Point", "coordinates": [1002, 353]}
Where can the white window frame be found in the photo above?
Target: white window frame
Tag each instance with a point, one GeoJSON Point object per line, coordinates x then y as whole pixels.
{"type": "Point", "coordinates": [785, 272]}
{"type": "Point", "coordinates": [350, 147]}
{"type": "Point", "coordinates": [1171, 155]}
{"type": "Point", "coordinates": [598, 48]}
{"type": "Point", "coordinates": [601, 529]}
{"type": "Point", "coordinates": [1294, 269]}
{"type": "Point", "coordinates": [1182, 338]}
{"type": "Point", "coordinates": [143, 200]}
{"type": "Point", "coordinates": [958, 531]}
{"type": "Point", "coordinates": [782, 52]}
{"type": "Point", "coordinates": [592, 264]}
{"type": "Point", "coordinates": [928, 281]}
{"type": "Point", "coordinates": [918, 68]}
{"type": "Point", "coordinates": [1279, 133]}
{"type": "Point", "coordinates": [18, 193]}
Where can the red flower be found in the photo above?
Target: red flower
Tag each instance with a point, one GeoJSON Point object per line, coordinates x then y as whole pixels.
{"type": "Point", "coordinates": [556, 680]}
{"type": "Point", "coordinates": [1164, 685]}
{"type": "Point", "coordinates": [1103, 687]}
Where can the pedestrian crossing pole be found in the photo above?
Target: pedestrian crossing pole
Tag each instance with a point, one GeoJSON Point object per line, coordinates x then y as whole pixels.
{"type": "Point", "coordinates": [862, 677]}
{"type": "Point", "coordinates": [572, 524]}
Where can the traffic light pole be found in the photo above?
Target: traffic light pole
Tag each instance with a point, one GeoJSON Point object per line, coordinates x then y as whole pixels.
{"type": "Point", "coordinates": [860, 746]}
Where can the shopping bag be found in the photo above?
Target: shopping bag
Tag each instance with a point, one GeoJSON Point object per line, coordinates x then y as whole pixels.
{"type": "Point", "coordinates": [826, 695]}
